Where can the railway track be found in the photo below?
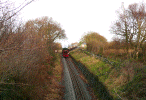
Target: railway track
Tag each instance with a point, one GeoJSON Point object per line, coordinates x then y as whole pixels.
{"type": "Point", "coordinates": [75, 88]}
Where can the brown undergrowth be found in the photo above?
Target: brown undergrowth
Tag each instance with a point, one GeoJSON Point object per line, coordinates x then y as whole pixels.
{"type": "Point", "coordinates": [55, 87]}
{"type": "Point", "coordinates": [26, 68]}
{"type": "Point", "coordinates": [125, 81]}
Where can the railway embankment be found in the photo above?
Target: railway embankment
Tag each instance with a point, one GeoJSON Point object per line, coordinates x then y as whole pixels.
{"type": "Point", "coordinates": [112, 80]}
{"type": "Point", "coordinates": [75, 87]}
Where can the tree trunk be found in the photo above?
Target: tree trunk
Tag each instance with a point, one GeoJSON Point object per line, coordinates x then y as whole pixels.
{"type": "Point", "coordinates": [126, 33]}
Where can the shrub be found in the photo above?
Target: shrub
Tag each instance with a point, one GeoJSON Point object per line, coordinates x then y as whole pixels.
{"type": "Point", "coordinates": [23, 68]}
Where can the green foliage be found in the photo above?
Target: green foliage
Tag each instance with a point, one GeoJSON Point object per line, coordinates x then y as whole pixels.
{"type": "Point", "coordinates": [136, 87]}
{"type": "Point", "coordinates": [125, 79]}
{"type": "Point", "coordinates": [15, 92]}
{"type": "Point", "coordinates": [93, 75]}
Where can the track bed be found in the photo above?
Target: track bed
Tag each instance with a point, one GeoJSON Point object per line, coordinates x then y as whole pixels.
{"type": "Point", "coordinates": [75, 87]}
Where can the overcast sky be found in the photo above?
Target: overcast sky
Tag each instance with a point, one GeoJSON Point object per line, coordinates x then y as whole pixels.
{"type": "Point", "coordinates": [78, 16]}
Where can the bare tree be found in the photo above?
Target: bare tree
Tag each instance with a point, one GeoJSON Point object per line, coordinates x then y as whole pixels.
{"type": "Point", "coordinates": [8, 18]}
{"type": "Point", "coordinates": [131, 26]}
{"type": "Point", "coordinates": [22, 58]}
{"type": "Point", "coordinates": [138, 13]}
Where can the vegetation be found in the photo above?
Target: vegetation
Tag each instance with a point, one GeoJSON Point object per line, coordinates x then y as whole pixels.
{"type": "Point", "coordinates": [124, 81]}
{"type": "Point", "coordinates": [30, 68]}
{"type": "Point", "coordinates": [130, 37]}
{"type": "Point", "coordinates": [27, 57]}
{"type": "Point", "coordinates": [125, 77]}
{"type": "Point", "coordinates": [95, 42]}
{"type": "Point", "coordinates": [131, 26]}
{"type": "Point", "coordinates": [55, 88]}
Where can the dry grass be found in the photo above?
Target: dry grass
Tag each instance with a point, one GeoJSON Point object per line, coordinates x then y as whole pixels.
{"type": "Point", "coordinates": [26, 63]}
{"type": "Point", "coordinates": [117, 52]}
{"type": "Point", "coordinates": [25, 60]}
{"type": "Point", "coordinates": [123, 76]}
{"type": "Point", "coordinates": [129, 77]}
{"type": "Point", "coordinates": [55, 86]}
{"type": "Point", "coordinates": [55, 91]}
{"type": "Point", "coordinates": [120, 81]}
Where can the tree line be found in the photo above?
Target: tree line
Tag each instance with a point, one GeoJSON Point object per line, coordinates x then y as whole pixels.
{"type": "Point", "coordinates": [26, 53]}
{"type": "Point", "coordinates": [130, 34]}
{"type": "Point", "coordinates": [131, 27]}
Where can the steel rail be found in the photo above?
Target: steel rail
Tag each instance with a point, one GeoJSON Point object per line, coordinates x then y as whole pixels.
{"type": "Point", "coordinates": [78, 85]}
{"type": "Point", "coordinates": [69, 91]}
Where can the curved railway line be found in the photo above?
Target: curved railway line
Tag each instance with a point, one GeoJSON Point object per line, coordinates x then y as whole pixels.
{"type": "Point", "coordinates": [75, 87]}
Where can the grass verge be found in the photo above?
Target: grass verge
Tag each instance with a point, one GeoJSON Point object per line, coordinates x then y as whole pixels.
{"type": "Point", "coordinates": [123, 82]}
{"type": "Point", "coordinates": [55, 86]}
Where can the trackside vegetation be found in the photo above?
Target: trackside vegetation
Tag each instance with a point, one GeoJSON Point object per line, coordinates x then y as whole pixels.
{"type": "Point", "coordinates": [55, 86]}
{"type": "Point", "coordinates": [29, 67]}
{"type": "Point", "coordinates": [123, 80]}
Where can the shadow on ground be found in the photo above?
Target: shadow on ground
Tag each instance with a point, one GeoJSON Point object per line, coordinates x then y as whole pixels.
{"type": "Point", "coordinates": [99, 89]}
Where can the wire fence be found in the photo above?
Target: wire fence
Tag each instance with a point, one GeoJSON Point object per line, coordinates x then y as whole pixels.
{"type": "Point", "coordinates": [100, 90]}
{"type": "Point", "coordinates": [93, 79]}
{"type": "Point", "coordinates": [102, 58]}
